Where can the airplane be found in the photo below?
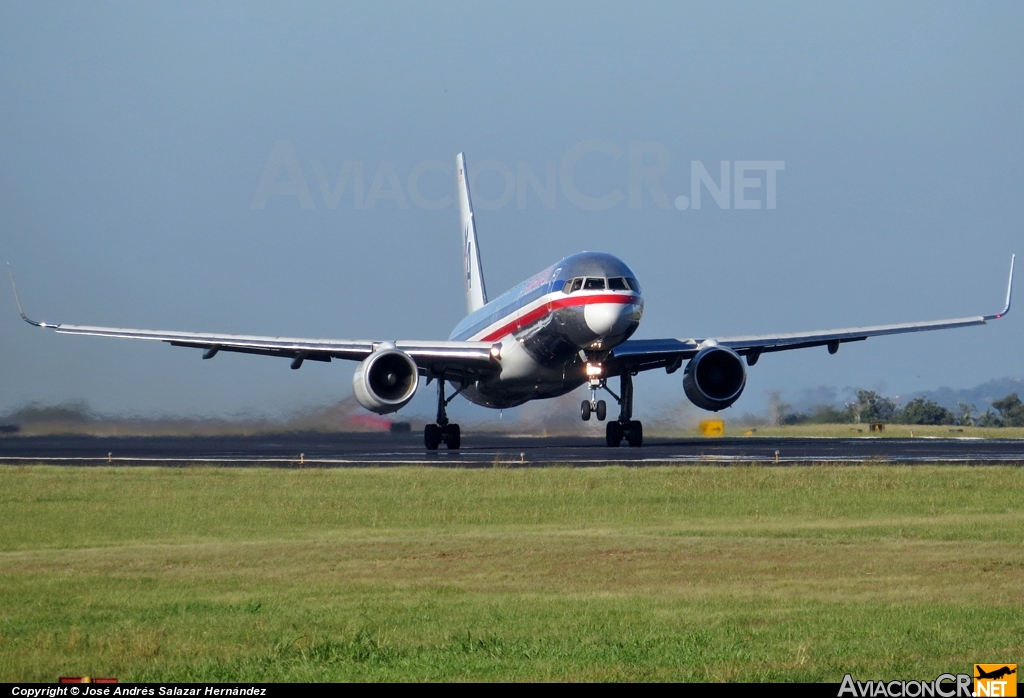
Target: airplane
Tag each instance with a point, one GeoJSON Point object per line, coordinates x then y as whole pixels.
{"type": "Point", "coordinates": [568, 325]}
{"type": "Point", "coordinates": [995, 674]}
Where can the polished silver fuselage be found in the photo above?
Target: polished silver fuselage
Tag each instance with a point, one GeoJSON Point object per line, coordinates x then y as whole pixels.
{"type": "Point", "coordinates": [550, 329]}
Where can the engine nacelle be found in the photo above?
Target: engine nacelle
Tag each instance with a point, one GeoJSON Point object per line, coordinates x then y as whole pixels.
{"type": "Point", "coordinates": [714, 378]}
{"type": "Point", "coordinates": [385, 381]}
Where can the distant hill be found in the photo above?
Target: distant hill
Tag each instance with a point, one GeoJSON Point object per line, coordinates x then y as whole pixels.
{"type": "Point", "coordinates": [980, 396]}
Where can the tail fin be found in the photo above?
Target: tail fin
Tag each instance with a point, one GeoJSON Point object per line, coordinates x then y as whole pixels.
{"type": "Point", "coordinates": [476, 293]}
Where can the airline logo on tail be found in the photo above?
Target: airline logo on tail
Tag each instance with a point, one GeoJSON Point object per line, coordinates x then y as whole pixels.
{"type": "Point", "coordinates": [476, 294]}
{"type": "Point", "coordinates": [467, 249]}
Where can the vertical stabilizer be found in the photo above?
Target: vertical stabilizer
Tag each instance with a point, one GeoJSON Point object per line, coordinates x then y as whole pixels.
{"type": "Point", "coordinates": [476, 293]}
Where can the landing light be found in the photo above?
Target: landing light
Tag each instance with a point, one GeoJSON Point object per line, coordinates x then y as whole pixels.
{"type": "Point", "coordinates": [594, 370]}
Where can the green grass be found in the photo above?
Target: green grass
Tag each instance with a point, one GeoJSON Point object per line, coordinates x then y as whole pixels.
{"type": "Point", "coordinates": [690, 573]}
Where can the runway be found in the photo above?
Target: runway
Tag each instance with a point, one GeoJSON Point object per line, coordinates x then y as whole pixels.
{"type": "Point", "coordinates": [486, 450]}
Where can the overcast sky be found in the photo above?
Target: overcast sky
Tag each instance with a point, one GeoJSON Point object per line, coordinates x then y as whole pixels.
{"type": "Point", "coordinates": [177, 166]}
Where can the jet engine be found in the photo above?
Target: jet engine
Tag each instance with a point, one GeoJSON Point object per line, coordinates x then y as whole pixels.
{"type": "Point", "coordinates": [714, 378]}
{"type": "Point", "coordinates": [385, 381]}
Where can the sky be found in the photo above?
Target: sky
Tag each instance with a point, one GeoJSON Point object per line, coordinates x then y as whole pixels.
{"type": "Point", "coordinates": [288, 169]}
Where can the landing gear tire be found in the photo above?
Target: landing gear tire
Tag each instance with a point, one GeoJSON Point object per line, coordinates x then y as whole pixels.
{"type": "Point", "coordinates": [613, 434]}
{"type": "Point", "coordinates": [452, 436]}
{"type": "Point", "coordinates": [625, 427]}
{"type": "Point", "coordinates": [585, 410]}
{"type": "Point", "coordinates": [602, 410]}
{"type": "Point", "coordinates": [442, 432]}
{"type": "Point", "coordinates": [432, 437]}
{"type": "Point", "coordinates": [634, 433]}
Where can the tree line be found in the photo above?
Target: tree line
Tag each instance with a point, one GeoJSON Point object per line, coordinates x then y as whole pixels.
{"type": "Point", "coordinates": [872, 407]}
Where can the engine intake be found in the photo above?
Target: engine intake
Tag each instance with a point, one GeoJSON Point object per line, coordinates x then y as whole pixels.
{"type": "Point", "coordinates": [385, 381]}
{"type": "Point", "coordinates": [714, 378]}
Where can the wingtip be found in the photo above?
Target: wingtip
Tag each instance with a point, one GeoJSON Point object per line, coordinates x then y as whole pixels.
{"type": "Point", "coordinates": [14, 287]}
{"type": "Point", "coordinates": [1009, 294]}
{"type": "Point", "coordinates": [17, 300]}
{"type": "Point", "coordinates": [1009, 285]}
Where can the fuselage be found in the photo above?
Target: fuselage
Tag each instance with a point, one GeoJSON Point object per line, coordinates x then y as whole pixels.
{"type": "Point", "coordinates": [551, 324]}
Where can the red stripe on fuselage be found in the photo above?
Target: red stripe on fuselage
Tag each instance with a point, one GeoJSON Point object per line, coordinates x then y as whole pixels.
{"type": "Point", "coordinates": [546, 307]}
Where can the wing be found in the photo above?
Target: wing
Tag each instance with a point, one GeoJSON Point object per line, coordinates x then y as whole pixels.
{"type": "Point", "coordinates": [432, 358]}
{"type": "Point", "coordinates": [453, 360]}
{"type": "Point", "coordinates": [645, 354]}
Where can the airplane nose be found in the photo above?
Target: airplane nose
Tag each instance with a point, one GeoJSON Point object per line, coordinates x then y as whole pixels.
{"type": "Point", "coordinates": [606, 319]}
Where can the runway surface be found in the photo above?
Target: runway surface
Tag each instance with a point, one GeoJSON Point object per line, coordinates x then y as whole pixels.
{"type": "Point", "coordinates": [482, 450]}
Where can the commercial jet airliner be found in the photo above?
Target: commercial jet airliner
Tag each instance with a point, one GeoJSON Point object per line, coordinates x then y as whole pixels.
{"type": "Point", "coordinates": [567, 326]}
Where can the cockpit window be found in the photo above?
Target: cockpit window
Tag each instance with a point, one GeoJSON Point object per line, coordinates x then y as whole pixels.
{"type": "Point", "coordinates": [617, 283]}
{"type": "Point", "coordinates": [633, 284]}
{"type": "Point", "coordinates": [577, 284]}
{"type": "Point", "coordinates": [594, 285]}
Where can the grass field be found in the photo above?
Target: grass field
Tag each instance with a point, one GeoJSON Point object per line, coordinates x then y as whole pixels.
{"type": "Point", "coordinates": [688, 573]}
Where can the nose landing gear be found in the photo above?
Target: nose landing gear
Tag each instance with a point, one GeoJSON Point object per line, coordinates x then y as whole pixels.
{"type": "Point", "coordinates": [442, 432]}
{"type": "Point", "coordinates": [593, 405]}
{"type": "Point", "coordinates": [596, 407]}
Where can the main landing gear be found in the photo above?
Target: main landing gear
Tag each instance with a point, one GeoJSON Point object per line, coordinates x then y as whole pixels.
{"type": "Point", "coordinates": [442, 432]}
{"type": "Point", "coordinates": [630, 430]}
{"type": "Point", "coordinates": [625, 427]}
